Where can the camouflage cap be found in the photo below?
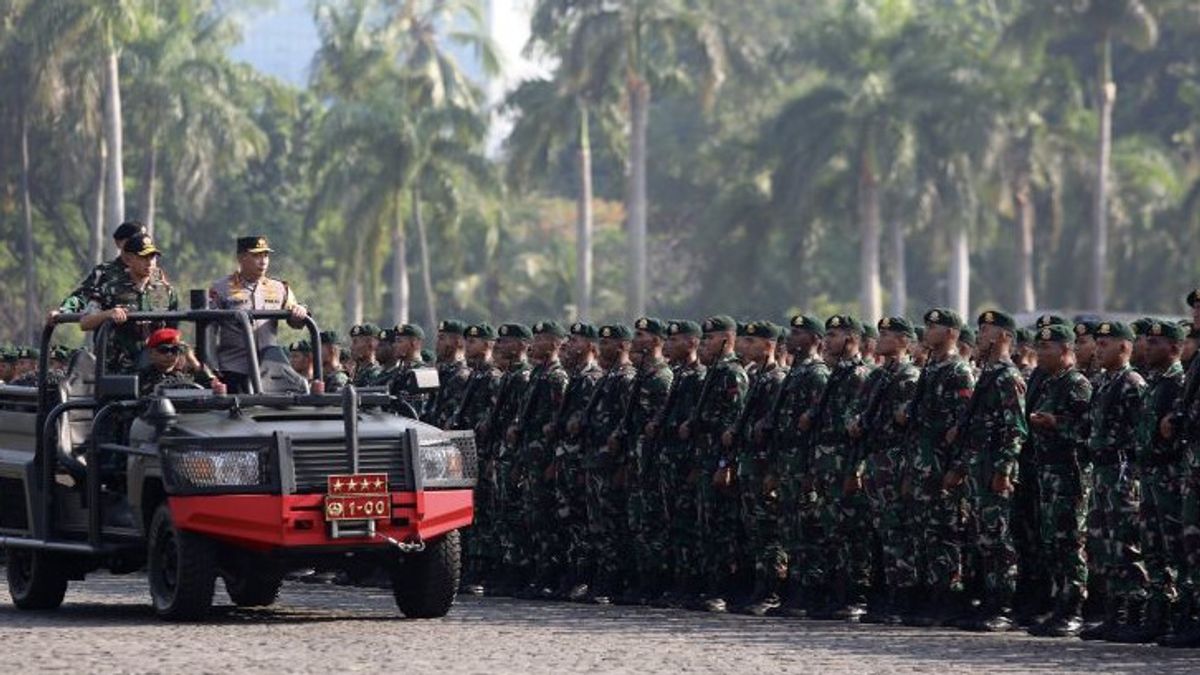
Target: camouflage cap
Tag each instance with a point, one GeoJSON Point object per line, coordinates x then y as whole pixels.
{"type": "Point", "coordinates": [683, 327]}
{"type": "Point", "coordinates": [366, 330]}
{"type": "Point", "coordinates": [940, 316]}
{"type": "Point", "coordinates": [719, 323]}
{"type": "Point", "coordinates": [514, 330]}
{"type": "Point", "coordinates": [1165, 329]}
{"type": "Point", "coordinates": [844, 322]}
{"type": "Point", "coordinates": [616, 331]}
{"type": "Point", "coordinates": [408, 330]}
{"type": "Point", "coordinates": [763, 329]}
{"type": "Point", "coordinates": [1055, 332]}
{"type": "Point", "coordinates": [1115, 329]}
{"type": "Point", "coordinates": [1050, 320]}
{"type": "Point", "coordinates": [993, 317]}
{"type": "Point", "coordinates": [482, 331]}
{"type": "Point", "coordinates": [585, 330]}
{"type": "Point", "coordinates": [651, 325]}
{"type": "Point", "coordinates": [455, 326]}
{"type": "Point", "coordinates": [897, 324]}
{"type": "Point", "coordinates": [808, 323]}
{"type": "Point", "coordinates": [552, 328]}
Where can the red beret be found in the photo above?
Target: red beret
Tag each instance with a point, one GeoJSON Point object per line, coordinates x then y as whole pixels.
{"type": "Point", "coordinates": [162, 336]}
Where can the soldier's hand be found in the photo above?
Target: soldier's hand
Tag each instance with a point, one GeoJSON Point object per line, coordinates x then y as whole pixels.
{"type": "Point", "coordinates": [511, 435]}
{"type": "Point", "coordinates": [51, 316]}
{"type": "Point", "coordinates": [952, 435]}
{"type": "Point", "coordinates": [1043, 420]}
{"type": "Point", "coordinates": [770, 485]}
{"type": "Point", "coordinates": [1002, 484]}
{"type": "Point", "coordinates": [805, 422]}
{"type": "Point", "coordinates": [573, 428]}
{"type": "Point", "coordinates": [727, 439]}
{"type": "Point", "coordinates": [685, 431]}
{"type": "Point", "coordinates": [901, 417]}
{"type": "Point", "coordinates": [854, 429]}
{"type": "Point", "coordinates": [852, 485]}
{"type": "Point", "coordinates": [551, 472]}
{"type": "Point", "coordinates": [1165, 428]}
{"type": "Point", "coordinates": [118, 315]}
{"type": "Point", "coordinates": [952, 480]}
{"type": "Point", "coordinates": [723, 478]}
{"type": "Point", "coordinates": [299, 313]}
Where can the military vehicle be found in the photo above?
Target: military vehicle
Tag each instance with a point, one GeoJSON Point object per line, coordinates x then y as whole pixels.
{"type": "Point", "coordinates": [191, 485]}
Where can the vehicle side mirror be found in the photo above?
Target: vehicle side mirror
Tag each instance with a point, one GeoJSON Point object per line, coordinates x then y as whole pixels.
{"type": "Point", "coordinates": [117, 387]}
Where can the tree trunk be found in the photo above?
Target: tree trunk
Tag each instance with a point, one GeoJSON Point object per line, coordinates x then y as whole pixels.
{"type": "Point", "coordinates": [426, 273]}
{"type": "Point", "coordinates": [960, 271]}
{"type": "Point", "coordinates": [149, 179]}
{"type": "Point", "coordinates": [97, 238]}
{"type": "Point", "coordinates": [639, 104]}
{"type": "Point", "coordinates": [898, 303]}
{"type": "Point", "coordinates": [31, 294]}
{"type": "Point", "coordinates": [115, 198]}
{"type": "Point", "coordinates": [399, 267]}
{"type": "Point", "coordinates": [583, 224]}
{"type": "Point", "coordinates": [1026, 218]}
{"type": "Point", "coordinates": [870, 300]}
{"type": "Point", "coordinates": [1107, 95]}
{"type": "Point", "coordinates": [354, 301]}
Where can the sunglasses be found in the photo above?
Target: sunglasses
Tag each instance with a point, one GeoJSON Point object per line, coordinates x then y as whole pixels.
{"type": "Point", "coordinates": [169, 349]}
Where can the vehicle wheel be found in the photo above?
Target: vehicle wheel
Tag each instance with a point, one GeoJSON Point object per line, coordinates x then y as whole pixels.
{"type": "Point", "coordinates": [36, 579]}
{"type": "Point", "coordinates": [182, 568]}
{"type": "Point", "coordinates": [425, 583]}
{"type": "Point", "coordinates": [248, 587]}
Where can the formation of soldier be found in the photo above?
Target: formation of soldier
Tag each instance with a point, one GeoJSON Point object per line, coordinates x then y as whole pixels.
{"type": "Point", "coordinates": [983, 476]}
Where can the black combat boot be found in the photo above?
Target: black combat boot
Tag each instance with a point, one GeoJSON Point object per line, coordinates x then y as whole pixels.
{"type": "Point", "coordinates": [1114, 616]}
{"type": "Point", "coordinates": [792, 601]}
{"type": "Point", "coordinates": [996, 615]}
{"type": "Point", "coordinates": [1155, 622]}
{"type": "Point", "coordinates": [936, 612]}
{"type": "Point", "coordinates": [880, 607]}
{"type": "Point", "coordinates": [765, 599]}
{"type": "Point", "coordinates": [1066, 622]}
{"type": "Point", "coordinates": [1185, 625]}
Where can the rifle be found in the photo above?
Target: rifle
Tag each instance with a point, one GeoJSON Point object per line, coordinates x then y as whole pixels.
{"type": "Point", "coordinates": [694, 418]}
{"type": "Point", "coordinates": [870, 413]}
{"type": "Point", "coordinates": [468, 396]}
{"type": "Point", "coordinates": [835, 379]}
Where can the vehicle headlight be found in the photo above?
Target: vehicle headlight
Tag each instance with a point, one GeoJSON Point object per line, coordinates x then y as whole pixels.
{"type": "Point", "coordinates": [441, 461]}
{"type": "Point", "coordinates": [217, 468]}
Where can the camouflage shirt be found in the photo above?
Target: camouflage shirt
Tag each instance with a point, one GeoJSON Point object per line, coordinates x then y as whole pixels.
{"type": "Point", "coordinates": [150, 377]}
{"type": "Point", "coordinates": [941, 398]}
{"type": "Point", "coordinates": [831, 451]}
{"type": "Point", "coordinates": [479, 395]}
{"type": "Point", "coordinates": [888, 390]}
{"type": "Point", "coordinates": [452, 384]}
{"type": "Point", "coordinates": [605, 412]}
{"type": "Point", "coordinates": [90, 286]}
{"type": "Point", "coordinates": [1067, 396]}
{"type": "Point", "coordinates": [1116, 409]}
{"type": "Point", "coordinates": [366, 374]}
{"type": "Point", "coordinates": [760, 397]}
{"type": "Point", "coordinates": [575, 399]}
{"type": "Point", "coordinates": [336, 379]}
{"type": "Point", "coordinates": [799, 393]}
{"type": "Point", "coordinates": [155, 295]}
{"type": "Point", "coordinates": [686, 384]}
{"type": "Point", "coordinates": [509, 396]}
{"type": "Point", "coordinates": [720, 404]}
{"type": "Point", "coordinates": [993, 429]}
{"type": "Point", "coordinates": [651, 388]}
{"type": "Point", "coordinates": [540, 402]}
{"type": "Point", "coordinates": [1162, 389]}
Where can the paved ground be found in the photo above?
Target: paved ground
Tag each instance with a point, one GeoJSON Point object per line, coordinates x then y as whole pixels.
{"type": "Point", "coordinates": [107, 626]}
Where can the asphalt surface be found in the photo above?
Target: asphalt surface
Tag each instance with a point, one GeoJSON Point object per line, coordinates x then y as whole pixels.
{"type": "Point", "coordinates": [106, 625]}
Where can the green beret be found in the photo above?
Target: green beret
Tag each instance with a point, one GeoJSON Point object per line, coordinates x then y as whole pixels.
{"type": "Point", "coordinates": [31, 353]}
{"type": "Point", "coordinates": [585, 330]}
{"type": "Point", "coordinates": [60, 352]}
{"type": "Point", "coordinates": [808, 323]}
{"type": "Point", "coordinates": [940, 316]}
{"type": "Point", "coordinates": [919, 331]}
{"type": "Point", "coordinates": [1055, 332]}
{"type": "Point", "coordinates": [719, 323]}
{"type": "Point", "coordinates": [966, 335]}
{"type": "Point", "coordinates": [553, 328]}
{"type": "Point", "coordinates": [1024, 336]}
{"type": "Point", "coordinates": [366, 330]}
{"type": "Point", "coordinates": [1141, 326]}
{"type": "Point", "coordinates": [515, 330]}
{"type": "Point", "coordinates": [870, 332]}
{"type": "Point", "coordinates": [1117, 329]}
{"type": "Point", "coordinates": [1051, 320]}
{"type": "Point", "coordinates": [651, 325]}
{"type": "Point", "coordinates": [898, 324]}
{"type": "Point", "coordinates": [483, 331]}
{"type": "Point", "coordinates": [330, 337]}
{"type": "Point", "coordinates": [997, 318]}
{"type": "Point", "coordinates": [302, 347]}
{"type": "Point", "coordinates": [1083, 328]}
{"type": "Point", "coordinates": [763, 329]}
{"type": "Point", "coordinates": [452, 326]}
{"type": "Point", "coordinates": [343, 354]}
{"type": "Point", "coordinates": [1194, 333]}
{"type": "Point", "coordinates": [683, 327]}
{"type": "Point", "coordinates": [741, 328]}
{"type": "Point", "coordinates": [408, 330]}
{"type": "Point", "coordinates": [844, 322]}
{"type": "Point", "coordinates": [427, 355]}
{"type": "Point", "coordinates": [616, 331]}
{"type": "Point", "coordinates": [1167, 329]}
{"type": "Point", "coordinates": [1193, 297]}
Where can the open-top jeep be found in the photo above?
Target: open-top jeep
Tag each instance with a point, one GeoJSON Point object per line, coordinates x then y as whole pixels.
{"type": "Point", "coordinates": [191, 485]}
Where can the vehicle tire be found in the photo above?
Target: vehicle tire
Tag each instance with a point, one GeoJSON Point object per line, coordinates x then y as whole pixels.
{"type": "Point", "coordinates": [182, 567]}
{"type": "Point", "coordinates": [36, 579]}
{"type": "Point", "coordinates": [248, 587]}
{"type": "Point", "coordinates": [425, 583]}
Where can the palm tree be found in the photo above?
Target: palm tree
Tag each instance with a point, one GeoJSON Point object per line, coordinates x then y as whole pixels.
{"type": "Point", "coordinates": [634, 45]}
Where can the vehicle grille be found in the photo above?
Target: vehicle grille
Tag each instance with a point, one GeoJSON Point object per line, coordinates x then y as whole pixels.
{"type": "Point", "coordinates": [315, 460]}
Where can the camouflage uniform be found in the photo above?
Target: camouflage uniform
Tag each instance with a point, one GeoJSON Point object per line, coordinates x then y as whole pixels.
{"type": "Point", "coordinates": [336, 379]}
{"type": "Point", "coordinates": [1161, 471]}
{"type": "Point", "coordinates": [529, 518]}
{"type": "Point", "coordinates": [1112, 521]}
{"type": "Point", "coordinates": [571, 523]}
{"type": "Point", "coordinates": [125, 345]}
{"type": "Point", "coordinates": [473, 409]}
{"type": "Point", "coordinates": [881, 461]}
{"type": "Point", "coordinates": [942, 394]}
{"type": "Point", "coordinates": [89, 288]}
{"type": "Point", "coordinates": [605, 496]}
{"type": "Point", "coordinates": [453, 377]}
{"type": "Point", "coordinates": [646, 521]}
{"type": "Point", "coordinates": [1185, 418]}
{"type": "Point", "coordinates": [367, 374]}
{"type": "Point", "coordinates": [497, 456]}
{"type": "Point", "coordinates": [990, 437]}
{"type": "Point", "coordinates": [1063, 482]}
{"type": "Point", "coordinates": [679, 475]}
{"type": "Point", "coordinates": [151, 377]}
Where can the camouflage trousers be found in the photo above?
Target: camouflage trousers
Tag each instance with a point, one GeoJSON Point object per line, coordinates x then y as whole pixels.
{"type": "Point", "coordinates": [539, 543]}
{"type": "Point", "coordinates": [936, 528]}
{"type": "Point", "coordinates": [1113, 525]}
{"type": "Point", "coordinates": [570, 521]}
{"type": "Point", "coordinates": [760, 509]}
{"type": "Point", "coordinates": [720, 527]}
{"type": "Point", "coordinates": [882, 482]}
{"type": "Point", "coordinates": [1190, 519]}
{"type": "Point", "coordinates": [845, 522]}
{"type": "Point", "coordinates": [1162, 528]}
{"type": "Point", "coordinates": [480, 541]}
{"type": "Point", "coordinates": [802, 534]}
{"type": "Point", "coordinates": [608, 542]}
{"type": "Point", "coordinates": [1063, 492]}
{"type": "Point", "coordinates": [679, 495]}
{"type": "Point", "coordinates": [511, 517]}
{"type": "Point", "coordinates": [1026, 519]}
{"type": "Point", "coordinates": [989, 530]}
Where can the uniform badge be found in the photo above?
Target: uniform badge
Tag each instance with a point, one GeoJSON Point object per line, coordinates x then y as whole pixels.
{"type": "Point", "coordinates": [935, 315]}
{"type": "Point", "coordinates": [504, 330]}
{"type": "Point", "coordinates": [988, 317]}
{"type": "Point", "coordinates": [885, 323]}
{"type": "Point", "coordinates": [1045, 333]}
{"type": "Point", "coordinates": [1104, 329]}
{"type": "Point", "coordinates": [642, 323]}
{"type": "Point", "coordinates": [835, 321]}
{"type": "Point", "coordinates": [1080, 329]}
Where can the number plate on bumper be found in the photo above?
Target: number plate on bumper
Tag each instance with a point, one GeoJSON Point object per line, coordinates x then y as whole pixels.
{"type": "Point", "coordinates": [362, 496]}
